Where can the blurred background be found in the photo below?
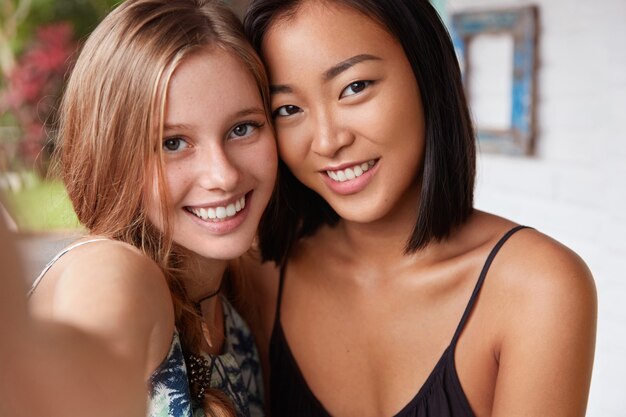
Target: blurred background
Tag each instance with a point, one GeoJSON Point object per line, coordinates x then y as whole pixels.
{"type": "Point", "coordinates": [564, 175]}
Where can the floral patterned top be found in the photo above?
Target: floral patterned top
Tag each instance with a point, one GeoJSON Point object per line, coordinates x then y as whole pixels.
{"type": "Point", "coordinates": [236, 372]}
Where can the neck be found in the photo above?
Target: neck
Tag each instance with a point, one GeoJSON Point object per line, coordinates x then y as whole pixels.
{"type": "Point", "coordinates": [203, 283]}
{"type": "Point", "coordinates": [204, 277]}
{"type": "Point", "coordinates": [382, 242]}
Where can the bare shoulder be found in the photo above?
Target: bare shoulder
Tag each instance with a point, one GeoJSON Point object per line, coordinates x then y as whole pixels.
{"type": "Point", "coordinates": [114, 267]}
{"type": "Point", "coordinates": [113, 291]}
{"type": "Point", "coordinates": [540, 270]}
{"type": "Point", "coordinates": [530, 263]}
{"type": "Point", "coordinates": [540, 307]}
{"type": "Point", "coordinates": [546, 313]}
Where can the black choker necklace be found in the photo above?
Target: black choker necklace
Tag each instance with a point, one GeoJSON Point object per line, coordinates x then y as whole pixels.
{"type": "Point", "coordinates": [211, 295]}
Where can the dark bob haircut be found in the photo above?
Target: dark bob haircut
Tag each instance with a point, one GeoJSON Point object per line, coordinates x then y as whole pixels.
{"type": "Point", "coordinates": [447, 190]}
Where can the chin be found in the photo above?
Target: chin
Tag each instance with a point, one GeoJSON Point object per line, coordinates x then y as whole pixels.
{"type": "Point", "coordinates": [223, 253]}
{"type": "Point", "coordinates": [357, 214]}
{"type": "Point", "coordinates": [219, 249]}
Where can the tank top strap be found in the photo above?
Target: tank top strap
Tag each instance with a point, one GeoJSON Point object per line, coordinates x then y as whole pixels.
{"type": "Point", "coordinates": [481, 280]}
{"type": "Point", "coordinates": [56, 258]}
{"type": "Point", "coordinates": [281, 283]}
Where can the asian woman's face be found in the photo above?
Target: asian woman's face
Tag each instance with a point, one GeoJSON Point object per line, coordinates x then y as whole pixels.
{"type": "Point", "coordinates": [347, 109]}
{"type": "Point", "coordinates": [219, 156]}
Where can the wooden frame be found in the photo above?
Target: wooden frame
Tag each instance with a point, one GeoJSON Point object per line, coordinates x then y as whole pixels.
{"type": "Point", "coordinates": [521, 23]}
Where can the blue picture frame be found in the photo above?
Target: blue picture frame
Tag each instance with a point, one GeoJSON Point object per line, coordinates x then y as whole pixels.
{"type": "Point", "coordinates": [521, 23]}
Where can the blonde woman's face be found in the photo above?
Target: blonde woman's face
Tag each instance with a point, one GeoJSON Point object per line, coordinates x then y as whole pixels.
{"type": "Point", "coordinates": [219, 156]}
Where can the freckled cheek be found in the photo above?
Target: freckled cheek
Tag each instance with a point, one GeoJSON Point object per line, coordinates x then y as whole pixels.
{"type": "Point", "coordinates": [259, 161]}
{"type": "Point", "coordinates": [177, 176]}
{"type": "Point", "coordinates": [267, 161]}
{"type": "Point", "coordinates": [173, 173]}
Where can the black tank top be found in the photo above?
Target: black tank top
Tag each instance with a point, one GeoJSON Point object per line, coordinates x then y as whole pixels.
{"type": "Point", "coordinates": [440, 396]}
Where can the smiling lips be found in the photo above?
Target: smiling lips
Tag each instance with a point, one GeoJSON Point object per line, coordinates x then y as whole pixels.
{"type": "Point", "coordinates": [350, 173]}
{"type": "Point", "coordinates": [219, 213]}
{"type": "Point", "coordinates": [222, 213]}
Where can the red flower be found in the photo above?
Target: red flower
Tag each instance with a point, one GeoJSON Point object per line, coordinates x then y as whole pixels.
{"type": "Point", "coordinates": [35, 84]}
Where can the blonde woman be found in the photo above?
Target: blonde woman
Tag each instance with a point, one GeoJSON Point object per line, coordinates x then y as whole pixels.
{"type": "Point", "coordinates": [169, 160]}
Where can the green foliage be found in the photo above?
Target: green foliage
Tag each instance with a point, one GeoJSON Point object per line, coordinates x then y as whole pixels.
{"type": "Point", "coordinates": [38, 55]}
{"type": "Point", "coordinates": [42, 206]}
{"type": "Point", "coordinates": [83, 14]}
{"type": "Point", "coordinates": [7, 119]}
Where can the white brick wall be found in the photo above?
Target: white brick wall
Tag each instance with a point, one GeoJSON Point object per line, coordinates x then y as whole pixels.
{"type": "Point", "coordinates": [574, 188]}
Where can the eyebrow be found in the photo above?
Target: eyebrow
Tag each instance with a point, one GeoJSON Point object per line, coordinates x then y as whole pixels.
{"type": "Point", "coordinates": [280, 89]}
{"type": "Point", "coordinates": [177, 126]}
{"type": "Point", "coordinates": [347, 64]}
{"type": "Point", "coordinates": [241, 113]}
{"type": "Point", "coordinates": [249, 111]}
{"type": "Point", "coordinates": [330, 73]}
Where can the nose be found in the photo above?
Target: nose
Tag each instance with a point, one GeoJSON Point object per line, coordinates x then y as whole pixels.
{"type": "Point", "coordinates": [217, 170]}
{"type": "Point", "coordinates": [329, 135]}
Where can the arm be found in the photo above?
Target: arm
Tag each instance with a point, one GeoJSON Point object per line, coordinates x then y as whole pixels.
{"type": "Point", "coordinates": [93, 352]}
{"type": "Point", "coordinates": [12, 290]}
{"type": "Point", "coordinates": [548, 340]}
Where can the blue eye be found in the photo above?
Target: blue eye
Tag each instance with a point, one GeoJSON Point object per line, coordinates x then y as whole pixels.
{"type": "Point", "coordinates": [244, 129]}
{"type": "Point", "coordinates": [286, 111]}
{"type": "Point", "coordinates": [174, 144]}
{"type": "Point", "coordinates": [355, 88]}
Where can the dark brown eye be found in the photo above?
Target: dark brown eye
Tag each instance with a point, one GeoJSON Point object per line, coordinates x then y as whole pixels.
{"type": "Point", "coordinates": [355, 88]}
{"type": "Point", "coordinates": [358, 86]}
{"type": "Point", "coordinates": [285, 111]}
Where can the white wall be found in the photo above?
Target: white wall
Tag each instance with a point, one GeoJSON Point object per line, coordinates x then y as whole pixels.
{"type": "Point", "coordinates": [574, 187]}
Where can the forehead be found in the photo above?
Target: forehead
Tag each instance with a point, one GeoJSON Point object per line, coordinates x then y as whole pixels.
{"type": "Point", "coordinates": [328, 31]}
{"type": "Point", "coordinates": [209, 83]}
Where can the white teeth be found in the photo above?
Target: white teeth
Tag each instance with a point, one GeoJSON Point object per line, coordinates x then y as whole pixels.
{"type": "Point", "coordinates": [351, 173]}
{"type": "Point", "coordinates": [221, 212]}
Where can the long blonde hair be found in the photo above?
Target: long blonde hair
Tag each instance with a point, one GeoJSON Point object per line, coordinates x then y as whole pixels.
{"type": "Point", "coordinates": [111, 123]}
